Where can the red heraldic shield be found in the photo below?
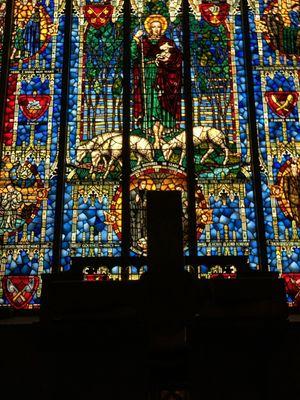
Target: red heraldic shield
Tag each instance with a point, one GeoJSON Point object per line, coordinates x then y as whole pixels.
{"type": "Point", "coordinates": [98, 15]}
{"type": "Point", "coordinates": [34, 106]}
{"type": "Point", "coordinates": [19, 290]}
{"type": "Point", "coordinates": [282, 103]}
{"type": "Point", "coordinates": [214, 14]}
{"type": "Point", "coordinates": [292, 287]}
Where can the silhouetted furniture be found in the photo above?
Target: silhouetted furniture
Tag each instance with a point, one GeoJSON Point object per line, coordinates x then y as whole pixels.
{"type": "Point", "coordinates": [166, 292]}
{"type": "Point", "coordinates": [175, 327]}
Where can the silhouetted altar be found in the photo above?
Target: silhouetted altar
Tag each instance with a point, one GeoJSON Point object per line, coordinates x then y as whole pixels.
{"type": "Point", "coordinates": [168, 310]}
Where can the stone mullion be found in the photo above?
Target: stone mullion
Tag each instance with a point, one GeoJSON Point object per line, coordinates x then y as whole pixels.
{"type": "Point", "coordinates": [190, 154]}
{"type": "Point", "coordinates": [62, 141]}
{"type": "Point", "coordinates": [254, 141]}
{"type": "Point", "coordinates": [126, 68]}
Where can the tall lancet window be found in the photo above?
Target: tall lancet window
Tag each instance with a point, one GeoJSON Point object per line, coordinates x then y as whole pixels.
{"type": "Point", "coordinates": [221, 130]}
{"type": "Point", "coordinates": [95, 132]}
{"type": "Point", "coordinates": [29, 149]}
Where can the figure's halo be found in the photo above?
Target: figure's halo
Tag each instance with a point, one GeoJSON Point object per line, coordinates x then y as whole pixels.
{"type": "Point", "coordinates": [156, 18]}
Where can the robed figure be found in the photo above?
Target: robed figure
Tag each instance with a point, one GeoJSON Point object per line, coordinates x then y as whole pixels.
{"type": "Point", "coordinates": [157, 79]}
{"type": "Point", "coordinates": [291, 190]}
{"type": "Point", "coordinates": [32, 33]}
{"type": "Point", "coordinates": [138, 210]}
{"type": "Point", "coordinates": [284, 35]}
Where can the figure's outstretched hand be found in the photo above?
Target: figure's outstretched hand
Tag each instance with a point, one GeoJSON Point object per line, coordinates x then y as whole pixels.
{"type": "Point", "coordinates": [139, 34]}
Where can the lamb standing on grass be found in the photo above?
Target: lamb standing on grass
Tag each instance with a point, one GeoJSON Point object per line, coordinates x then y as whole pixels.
{"type": "Point", "coordinates": [201, 134]}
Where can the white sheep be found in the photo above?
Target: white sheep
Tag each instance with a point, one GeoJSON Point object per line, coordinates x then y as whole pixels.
{"type": "Point", "coordinates": [110, 151]}
{"type": "Point", "coordinates": [87, 147]}
{"type": "Point", "coordinates": [201, 134]}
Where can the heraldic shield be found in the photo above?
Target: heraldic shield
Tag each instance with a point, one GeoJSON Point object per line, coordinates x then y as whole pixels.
{"type": "Point", "coordinates": [282, 103]}
{"type": "Point", "coordinates": [34, 106]}
{"type": "Point", "coordinates": [214, 14]}
{"type": "Point", "coordinates": [19, 290]}
{"type": "Point", "coordinates": [98, 15]}
{"type": "Point", "coordinates": [292, 288]}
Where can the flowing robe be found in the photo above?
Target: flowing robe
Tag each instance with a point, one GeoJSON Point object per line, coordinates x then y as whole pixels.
{"type": "Point", "coordinates": [157, 88]}
{"type": "Point", "coordinates": [138, 208]}
{"type": "Point", "coordinates": [292, 34]}
{"type": "Point", "coordinates": [32, 33]}
{"type": "Point", "coordinates": [10, 204]}
{"type": "Point", "coordinates": [291, 190]}
{"type": "Point", "coordinates": [275, 26]}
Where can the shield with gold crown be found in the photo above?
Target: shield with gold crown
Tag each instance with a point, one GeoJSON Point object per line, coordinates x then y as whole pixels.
{"type": "Point", "coordinates": [282, 102]}
{"type": "Point", "coordinates": [214, 14]}
{"type": "Point", "coordinates": [98, 15]}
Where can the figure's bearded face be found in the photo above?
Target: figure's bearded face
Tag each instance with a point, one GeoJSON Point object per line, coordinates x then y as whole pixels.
{"type": "Point", "coordinates": [294, 169]}
{"type": "Point", "coordinates": [143, 185]}
{"type": "Point", "coordinates": [155, 29]}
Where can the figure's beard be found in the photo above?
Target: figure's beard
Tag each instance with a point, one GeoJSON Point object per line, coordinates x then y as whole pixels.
{"type": "Point", "coordinates": [155, 36]}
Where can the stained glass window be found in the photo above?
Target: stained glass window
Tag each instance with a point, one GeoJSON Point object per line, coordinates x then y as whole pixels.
{"type": "Point", "coordinates": [92, 194]}
{"type": "Point", "coordinates": [275, 59]}
{"type": "Point", "coordinates": [172, 98]}
{"type": "Point", "coordinates": [29, 149]}
{"type": "Point", "coordinates": [158, 110]}
{"type": "Point", "coordinates": [222, 152]}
